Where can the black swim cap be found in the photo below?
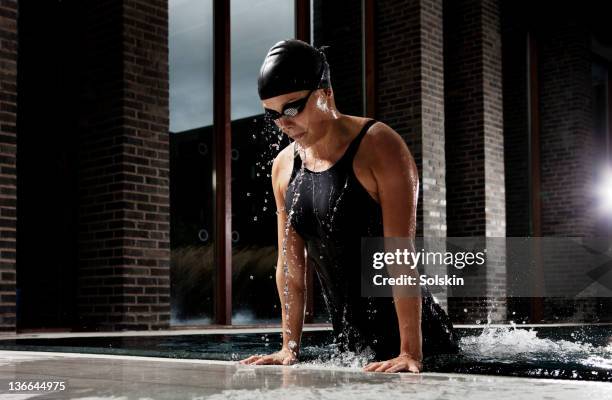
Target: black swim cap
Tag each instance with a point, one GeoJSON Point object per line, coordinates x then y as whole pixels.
{"type": "Point", "coordinates": [292, 65]}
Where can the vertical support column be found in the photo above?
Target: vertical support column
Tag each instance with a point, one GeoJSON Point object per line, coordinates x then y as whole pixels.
{"type": "Point", "coordinates": [302, 20]}
{"type": "Point", "coordinates": [475, 158]}
{"type": "Point", "coordinates": [410, 97]}
{"type": "Point", "coordinates": [222, 128]}
{"type": "Point", "coordinates": [535, 203]}
{"type": "Point", "coordinates": [124, 230]}
{"type": "Point", "coordinates": [302, 32]}
{"type": "Point", "coordinates": [567, 154]}
{"type": "Point", "coordinates": [519, 133]}
{"type": "Point", "coordinates": [8, 172]}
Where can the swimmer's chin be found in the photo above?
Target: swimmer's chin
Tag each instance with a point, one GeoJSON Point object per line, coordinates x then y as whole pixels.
{"type": "Point", "coordinates": [298, 137]}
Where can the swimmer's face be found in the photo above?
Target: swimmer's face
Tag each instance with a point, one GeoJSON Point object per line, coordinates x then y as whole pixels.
{"type": "Point", "coordinates": [296, 127]}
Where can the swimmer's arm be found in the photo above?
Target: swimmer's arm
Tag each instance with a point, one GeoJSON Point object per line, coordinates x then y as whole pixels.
{"type": "Point", "coordinates": [296, 277]}
{"type": "Point", "coordinates": [397, 180]}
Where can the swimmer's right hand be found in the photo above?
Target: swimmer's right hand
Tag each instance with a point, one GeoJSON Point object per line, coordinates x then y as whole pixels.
{"type": "Point", "coordinates": [282, 357]}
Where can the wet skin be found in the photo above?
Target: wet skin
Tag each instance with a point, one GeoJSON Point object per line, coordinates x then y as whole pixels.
{"type": "Point", "coordinates": [323, 135]}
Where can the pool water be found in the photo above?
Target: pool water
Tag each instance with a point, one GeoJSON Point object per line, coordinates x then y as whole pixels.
{"type": "Point", "coordinates": [575, 353]}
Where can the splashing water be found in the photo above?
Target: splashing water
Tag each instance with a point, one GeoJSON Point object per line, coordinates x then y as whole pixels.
{"type": "Point", "coordinates": [507, 345]}
{"type": "Point", "coordinates": [273, 141]}
{"type": "Point", "coordinates": [274, 138]}
{"type": "Point", "coordinates": [330, 356]}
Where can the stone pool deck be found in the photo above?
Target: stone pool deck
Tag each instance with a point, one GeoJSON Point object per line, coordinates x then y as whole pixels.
{"type": "Point", "coordinates": [126, 377]}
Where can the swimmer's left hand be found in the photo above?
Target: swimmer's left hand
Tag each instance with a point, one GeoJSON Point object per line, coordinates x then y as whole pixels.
{"type": "Point", "coordinates": [397, 364]}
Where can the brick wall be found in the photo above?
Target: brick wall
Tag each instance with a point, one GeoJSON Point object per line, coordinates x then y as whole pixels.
{"type": "Point", "coordinates": [410, 95]}
{"type": "Point", "coordinates": [474, 141]}
{"type": "Point", "coordinates": [124, 197]}
{"type": "Point", "coordinates": [410, 98]}
{"type": "Point", "coordinates": [398, 94]}
{"type": "Point", "coordinates": [8, 148]}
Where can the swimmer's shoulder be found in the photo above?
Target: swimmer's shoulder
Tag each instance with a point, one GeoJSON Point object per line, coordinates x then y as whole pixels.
{"type": "Point", "coordinates": [284, 159]}
{"type": "Point", "coordinates": [380, 133]}
{"type": "Point", "coordinates": [376, 132]}
{"type": "Point", "coordinates": [378, 138]}
{"type": "Point", "coordinates": [381, 143]}
{"type": "Point", "coordinates": [282, 167]}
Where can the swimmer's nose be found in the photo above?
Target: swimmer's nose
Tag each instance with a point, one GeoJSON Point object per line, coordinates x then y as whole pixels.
{"type": "Point", "coordinates": [283, 123]}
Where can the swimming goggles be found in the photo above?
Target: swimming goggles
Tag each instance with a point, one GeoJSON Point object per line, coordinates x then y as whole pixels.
{"type": "Point", "coordinates": [289, 110]}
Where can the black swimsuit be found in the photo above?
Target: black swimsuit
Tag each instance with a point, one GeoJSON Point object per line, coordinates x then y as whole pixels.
{"type": "Point", "coordinates": [332, 211]}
